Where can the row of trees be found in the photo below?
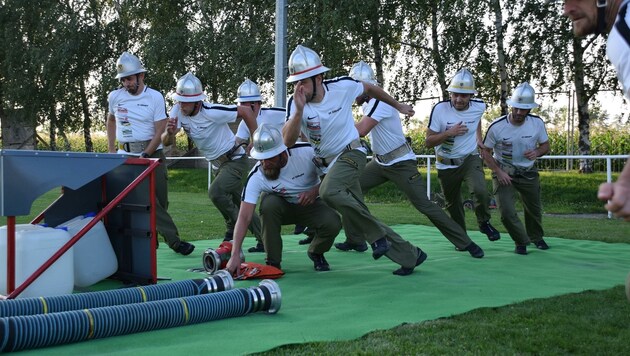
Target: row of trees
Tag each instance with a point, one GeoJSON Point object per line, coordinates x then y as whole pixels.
{"type": "Point", "coordinates": [57, 57]}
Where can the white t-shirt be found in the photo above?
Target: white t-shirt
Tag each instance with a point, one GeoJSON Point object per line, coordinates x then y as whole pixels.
{"type": "Point", "coordinates": [510, 141]}
{"type": "Point", "coordinates": [299, 175]}
{"type": "Point", "coordinates": [329, 124]}
{"type": "Point", "coordinates": [618, 47]}
{"type": "Point", "coordinates": [444, 116]}
{"type": "Point", "coordinates": [209, 128]}
{"type": "Point", "coordinates": [270, 116]}
{"type": "Point", "coordinates": [136, 114]}
{"type": "Point", "coordinates": [388, 134]}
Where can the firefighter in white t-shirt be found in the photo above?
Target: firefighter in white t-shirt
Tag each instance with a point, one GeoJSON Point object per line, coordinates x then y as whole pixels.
{"type": "Point", "coordinates": [248, 94]}
{"type": "Point", "coordinates": [287, 182]}
{"type": "Point", "coordinates": [516, 140]}
{"type": "Point", "coordinates": [455, 132]}
{"type": "Point", "coordinates": [394, 160]}
{"type": "Point", "coordinates": [207, 125]}
{"type": "Point", "coordinates": [322, 109]}
{"type": "Point", "coordinates": [135, 121]}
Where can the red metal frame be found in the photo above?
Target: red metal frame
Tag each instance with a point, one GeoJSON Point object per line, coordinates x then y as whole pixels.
{"type": "Point", "coordinates": [149, 171]}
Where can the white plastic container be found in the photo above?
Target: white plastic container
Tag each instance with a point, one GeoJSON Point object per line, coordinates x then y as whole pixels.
{"type": "Point", "coordinates": [94, 256]}
{"type": "Point", "coordinates": [34, 245]}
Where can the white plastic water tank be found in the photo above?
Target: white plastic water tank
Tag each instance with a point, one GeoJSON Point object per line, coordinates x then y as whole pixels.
{"type": "Point", "coordinates": [94, 256]}
{"type": "Point", "coordinates": [34, 245]}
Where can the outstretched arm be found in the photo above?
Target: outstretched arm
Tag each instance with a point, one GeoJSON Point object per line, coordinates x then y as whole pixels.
{"type": "Point", "coordinates": [245, 213]}
{"type": "Point", "coordinates": [374, 91]}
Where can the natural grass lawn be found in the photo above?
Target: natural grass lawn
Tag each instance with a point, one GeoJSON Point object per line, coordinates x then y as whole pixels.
{"type": "Point", "coordinates": [589, 323]}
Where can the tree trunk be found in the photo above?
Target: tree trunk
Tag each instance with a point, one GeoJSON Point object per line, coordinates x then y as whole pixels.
{"type": "Point", "coordinates": [376, 46]}
{"type": "Point", "coordinates": [17, 131]}
{"type": "Point", "coordinates": [498, 25]}
{"type": "Point", "coordinates": [435, 53]}
{"type": "Point", "coordinates": [87, 120]}
{"type": "Point", "coordinates": [584, 142]}
{"type": "Point", "coordinates": [52, 134]}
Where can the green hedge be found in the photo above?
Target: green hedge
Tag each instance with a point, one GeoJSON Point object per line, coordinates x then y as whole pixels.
{"type": "Point", "coordinates": [603, 142]}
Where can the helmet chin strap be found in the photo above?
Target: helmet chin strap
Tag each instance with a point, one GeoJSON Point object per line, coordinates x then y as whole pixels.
{"type": "Point", "coordinates": [314, 87]}
{"type": "Point", "coordinates": [137, 82]}
{"type": "Point", "coordinates": [601, 16]}
{"type": "Point", "coordinates": [196, 109]}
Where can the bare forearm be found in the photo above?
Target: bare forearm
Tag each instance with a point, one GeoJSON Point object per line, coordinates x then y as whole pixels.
{"type": "Point", "coordinates": [435, 138]}
{"type": "Point", "coordinates": [168, 138]}
{"type": "Point", "coordinates": [240, 228]}
{"type": "Point", "coordinates": [625, 174]}
{"type": "Point", "coordinates": [488, 159]}
{"type": "Point", "coordinates": [292, 129]}
{"type": "Point", "coordinates": [111, 134]}
{"type": "Point", "coordinates": [378, 93]}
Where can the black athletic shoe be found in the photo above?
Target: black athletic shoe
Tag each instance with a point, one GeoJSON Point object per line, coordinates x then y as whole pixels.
{"type": "Point", "coordinates": [347, 246]}
{"type": "Point", "coordinates": [521, 250]}
{"type": "Point", "coordinates": [277, 265]}
{"type": "Point", "coordinates": [474, 250]}
{"type": "Point", "coordinates": [298, 229]}
{"type": "Point", "coordinates": [185, 248]}
{"type": "Point", "coordinates": [492, 233]}
{"type": "Point", "coordinates": [319, 261]}
{"type": "Point", "coordinates": [404, 271]}
{"type": "Point", "coordinates": [229, 235]}
{"type": "Point", "coordinates": [379, 247]}
{"type": "Point", "coordinates": [258, 248]}
{"type": "Point", "coordinates": [306, 241]}
{"type": "Point", "coordinates": [541, 245]}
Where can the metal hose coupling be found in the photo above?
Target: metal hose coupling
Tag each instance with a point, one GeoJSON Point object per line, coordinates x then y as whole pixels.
{"type": "Point", "coordinates": [266, 297]}
{"type": "Point", "coordinates": [220, 280]}
{"type": "Point", "coordinates": [214, 260]}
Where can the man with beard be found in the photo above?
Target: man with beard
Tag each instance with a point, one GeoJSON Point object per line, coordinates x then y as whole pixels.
{"type": "Point", "coordinates": [136, 119]}
{"type": "Point", "coordinates": [322, 109]}
{"type": "Point", "coordinates": [455, 132]}
{"type": "Point", "coordinates": [287, 182]}
{"type": "Point", "coordinates": [248, 94]}
{"type": "Point", "coordinates": [611, 17]}
{"type": "Point", "coordinates": [393, 160]}
{"type": "Point", "coordinates": [517, 139]}
{"type": "Point", "coordinates": [207, 125]}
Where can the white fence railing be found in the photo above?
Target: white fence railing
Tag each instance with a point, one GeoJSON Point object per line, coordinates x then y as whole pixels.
{"type": "Point", "coordinates": [429, 159]}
